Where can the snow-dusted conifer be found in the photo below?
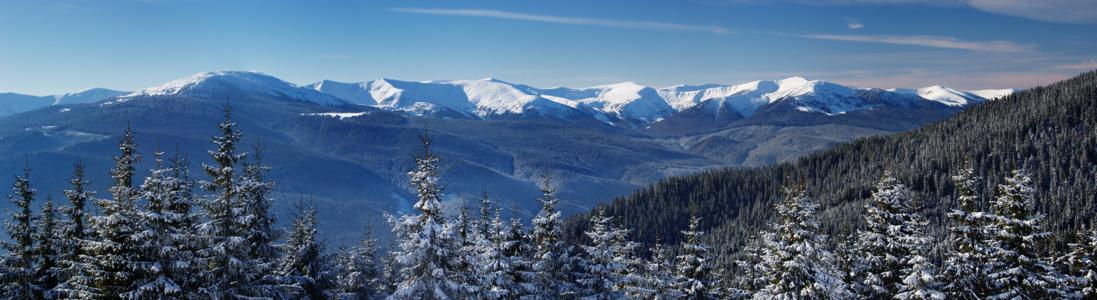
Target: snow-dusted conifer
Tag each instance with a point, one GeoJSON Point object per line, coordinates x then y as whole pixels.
{"type": "Point", "coordinates": [18, 278]}
{"type": "Point", "coordinates": [359, 276]}
{"type": "Point", "coordinates": [963, 266]}
{"type": "Point", "coordinates": [694, 268]}
{"type": "Point", "coordinates": [426, 246]}
{"type": "Point", "coordinates": [302, 262]}
{"type": "Point", "coordinates": [659, 278]}
{"type": "Point", "coordinates": [1016, 269]}
{"type": "Point", "coordinates": [883, 249]}
{"type": "Point", "coordinates": [600, 276]}
{"type": "Point", "coordinates": [74, 228]}
{"type": "Point", "coordinates": [919, 278]}
{"type": "Point", "coordinates": [47, 269]}
{"type": "Point", "coordinates": [228, 271]}
{"type": "Point", "coordinates": [795, 263]}
{"type": "Point", "coordinates": [550, 257]}
{"type": "Point", "coordinates": [1081, 263]}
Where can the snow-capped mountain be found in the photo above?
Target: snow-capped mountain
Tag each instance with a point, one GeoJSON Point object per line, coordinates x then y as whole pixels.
{"type": "Point", "coordinates": [12, 103]}
{"type": "Point", "coordinates": [635, 104]}
{"type": "Point", "coordinates": [993, 94]}
{"type": "Point", "coordinates": [229, 83]}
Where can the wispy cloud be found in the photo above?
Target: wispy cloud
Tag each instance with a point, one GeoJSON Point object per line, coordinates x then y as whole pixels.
{"type": "Point", "coordinates": [928, 41]}
{"type": "Point", "coordinates": [1080, 66]}
{"type": "Point", "coordinates": [498, 14]}
{"type": "Point", "coordinates": [854, 24]}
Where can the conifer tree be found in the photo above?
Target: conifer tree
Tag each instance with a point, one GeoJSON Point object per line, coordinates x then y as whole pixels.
{"type": "Point", "coordinates": [426, 246]}
{"type": "Point", "coordinates": [47, 269]}
{"type": "Point", "coordinates": [883, 248]}
{"type": "Point", "coordinates": [497, 278]}
{"type": "Point", "coordinates": [224, 252]}
{"type": "Point", "coordinates": [1081, 263]}
{"type": "Point", "coordinates": [73, 228]}
{"type": "Point", "coordinates": [600, 274]}
{"type": "Point", "coordinates": [694, 269]}
{"type": "Point", "coordinates": [257, 221]}
{"type": "Point", "coordinates": [659, 276]}
{"type": "Point", "coordinates": [966, 254]}
{"type": "Point", "coordinates": [919, 278]}
{"type": "Point", "coordinates": [302, 262]}
{"type": "Point", "coordinates": [795, 263]}
{"type": "Point", "coordinates": [359, 275]}
{"type": "Point", "coordinates": [1016, 269]}
{"type": "Point", "coordinates": [550, 257]}
{"type": "Point", "coordinates": [166, 242]}
{"type": "Point", "coordinates": [109, 256]}
{"type": "Point", "coordinates": [18, 278]}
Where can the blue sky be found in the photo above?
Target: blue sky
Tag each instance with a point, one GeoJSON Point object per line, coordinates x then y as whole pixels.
{"type": "Point", "coordinates": [49, 47]}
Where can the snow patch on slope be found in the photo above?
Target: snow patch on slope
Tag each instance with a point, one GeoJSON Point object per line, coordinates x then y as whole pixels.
{"type": "Point", "coordinates": [221, 83]}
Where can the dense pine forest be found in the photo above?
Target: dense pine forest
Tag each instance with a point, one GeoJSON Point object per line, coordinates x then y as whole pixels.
{"type": "Point", "coordinates": [995, 203]}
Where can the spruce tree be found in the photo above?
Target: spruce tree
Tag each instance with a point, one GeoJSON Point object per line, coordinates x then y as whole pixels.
{"type": "Point", "coordinates": [882, 248]}
{"type": "Point", "coordinates": [795, 263]}
{"type": "Point", "coordinates": [497, 278]}
{"type": "Point", "coordinates": [600, 274]}
{"type": "Point", "coordinates": [659, 276]}
{"type": "Point", "coordinates": [18, 278]}
{"type": "Point", "coordinates": [359, 276]}
{"type": "Point", "coordinates": [966, 256]}
{"type": "Point", "coordinates": [48, 272]}
{"type": "Point", "coordinates": [108, 264]}
{"type": "Point", "coordinates": [1081, 264]}
{"type": "Point", "coordinates": [919, 279]}
{"type": "Point", "coordinates": [302, 262]}
{"type": "Point", "coordinates": [694, 268]}
{"type": "Point", "coordinates": [1016, 269]}
{"type": "Point", "coordinates": [228, 271]}
{"type": "Point", "coordinates": [73, 228]}
{"type": "Point", "coordinates": [426, 246]}
{"type": "Point", "coordinates": [255, 203]}
{"type": "Point", "coordinates": [550, 257]}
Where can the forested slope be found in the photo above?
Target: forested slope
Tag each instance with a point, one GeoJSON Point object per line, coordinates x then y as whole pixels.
{"type": "Point", "coordinates": [1048, 130]}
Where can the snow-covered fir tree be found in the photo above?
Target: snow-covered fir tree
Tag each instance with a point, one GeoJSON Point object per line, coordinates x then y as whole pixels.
{"type": "Point", "coordinates": [47, 271]}
{"type": "Point", "coordinates": [693, 272]}
{"type": "Point", "coordinates": [496, 279]}
{"type": "Point", "coordinates": [883, 247]}
{"type": "Point", "coordinates": [919, 279]}
{"type": "Point", "coordinates": [73, 228]}
{"type": "Point", "coordinates": [659, 276]}
{"type": "Point", "coordinates": [108, 266]}
{"type": "Point", "coordinates": [1016, 269]}
{"type": "Point", "coordinates": [550, 256]}
{"type": "Point", "coordinates": [18, 279]}
{"type": "Point", "coordinates": [302, 262]}
{"type": "Point", "coordinates": [795, 263]}
{"type": "Point", "coordinates": [425, 243]}
{"type": "Point", "coordinates": [600, 277]}
{"type": "Point", "coordinates": [229, 269]}
{"type": "Point", "coordinates": [257, 222]}
{"type": "Point", "coordinates": [963, 267]}
{"type": "Point", "coordinates": [1081, 264]}
{"type": "Point", "coordinates": [359, 276]}
{"type": "Point", "coordinates": [166, 243]}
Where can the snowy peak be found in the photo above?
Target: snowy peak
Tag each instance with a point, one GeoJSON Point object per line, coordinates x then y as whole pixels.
{"type": "Point", "coordinates": [993, 94]}
{"type": "Point", "coordinates": [87, 96]}
{"type": "Point", "coordinates": [230, 83]}
{"type": "Point", "coordinates": [627, 100]}
{"type": "Point", "coordinates": [943, 95]}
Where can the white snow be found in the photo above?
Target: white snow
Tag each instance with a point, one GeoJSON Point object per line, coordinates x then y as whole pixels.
{"type": "Point", "coordinates": [943, 95]}
{"type": "Point", "coordinates": [338, 115]}
{"type": "Point", "coordinates": [220, 83]}
{"type": "Point", "coordinates": [993, 94]}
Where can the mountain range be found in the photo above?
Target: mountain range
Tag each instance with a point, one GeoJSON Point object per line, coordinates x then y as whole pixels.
{"type": "Point", "coordinates": [348, 146]}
